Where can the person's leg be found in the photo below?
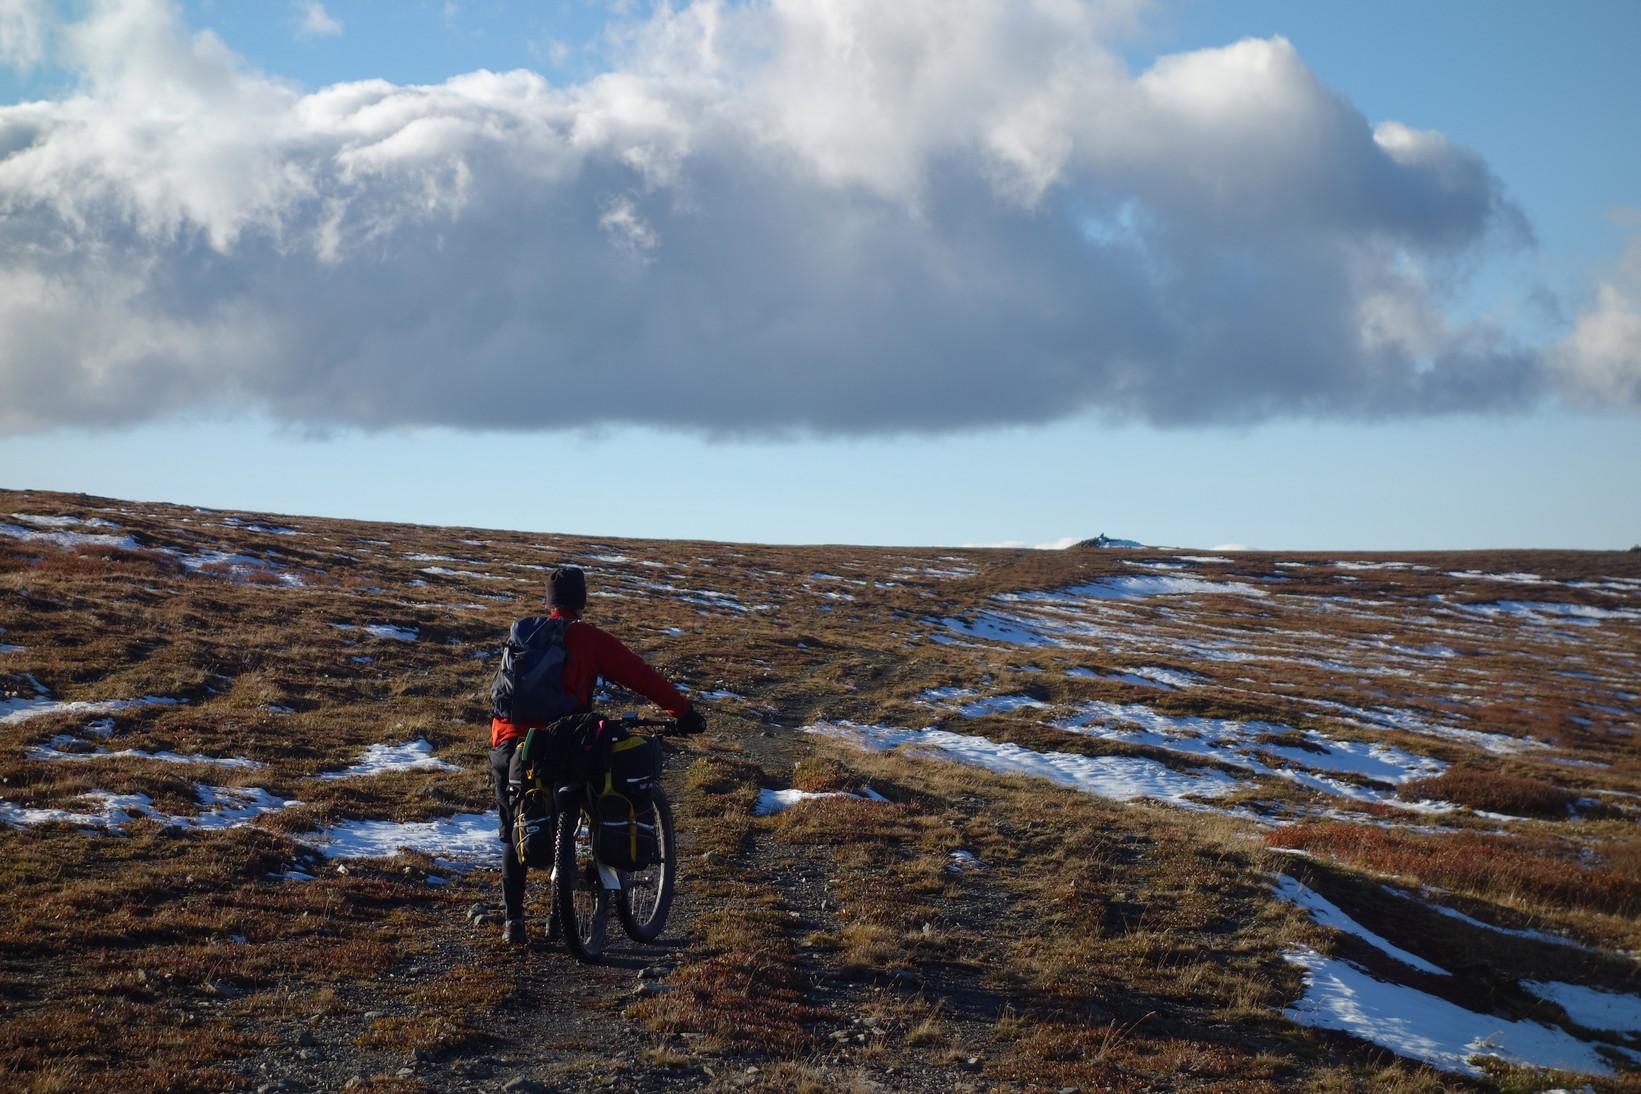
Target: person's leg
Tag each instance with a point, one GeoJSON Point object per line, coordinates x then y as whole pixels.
{"type": "Point", "coordinates": [512, 870]}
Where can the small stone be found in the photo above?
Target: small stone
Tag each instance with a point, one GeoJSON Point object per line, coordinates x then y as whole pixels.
{"type": "Point", "coordinates": [306, 1037]}
{"type": "Point", "coordinates": [406, 1072]}
{"type": "Point", "coordinates": [343, 870]}
{"type": "Point", "coordinates": [371, 1015]}
{"type": "Point", "coordinates": [477, 910]}
{"type": "Point", "coordinates": [308, 1055]}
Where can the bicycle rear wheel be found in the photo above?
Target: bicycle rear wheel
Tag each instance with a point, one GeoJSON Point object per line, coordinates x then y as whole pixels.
{"type": "Point", "coordinates": [579, 895]}
{"type": "Point", "coordinates": [646, 894]}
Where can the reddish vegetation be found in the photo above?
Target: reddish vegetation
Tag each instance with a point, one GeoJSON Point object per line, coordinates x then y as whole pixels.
{"type": "Point", "coordinates": [1470, 862]}
{"type": "Point", "coordinates": [1493, 793]}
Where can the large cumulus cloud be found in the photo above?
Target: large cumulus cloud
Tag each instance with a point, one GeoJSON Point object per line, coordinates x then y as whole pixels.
{"type": "Point", "coordinates": [837, 215]}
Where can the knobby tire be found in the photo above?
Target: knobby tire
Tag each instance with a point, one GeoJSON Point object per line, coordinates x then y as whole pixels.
{"type": "Point", "coordinates": [582, 902]}
{"type": "Point", "coordinates": [646, 894]}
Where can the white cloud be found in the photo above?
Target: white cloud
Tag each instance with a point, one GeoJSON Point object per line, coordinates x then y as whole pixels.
{"type": "Point", "coordinates": [1600, 361]}
{"type": "Point", "coordinates": [837, 215]}
{"type": "Point", "coordinates": [23, 28]}
{"type": "Point", "coordinates": [316, 21]}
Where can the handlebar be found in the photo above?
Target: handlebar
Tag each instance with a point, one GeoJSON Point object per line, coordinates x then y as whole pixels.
{"type": "Point", "coordinates": [666, 725]}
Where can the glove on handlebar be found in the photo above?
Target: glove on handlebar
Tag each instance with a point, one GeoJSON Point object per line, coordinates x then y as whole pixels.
{"type": "Point", "coordinates": [692, 723]}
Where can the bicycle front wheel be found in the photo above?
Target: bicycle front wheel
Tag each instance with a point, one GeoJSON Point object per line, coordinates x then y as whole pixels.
{"type": "Point", "coordinates": [579, 895]}
{"type": "Point", "coordinates": [645, 897]}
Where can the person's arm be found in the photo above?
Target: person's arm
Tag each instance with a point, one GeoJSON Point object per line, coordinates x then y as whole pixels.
{"type": "Point", "coordinates": [614, 661]}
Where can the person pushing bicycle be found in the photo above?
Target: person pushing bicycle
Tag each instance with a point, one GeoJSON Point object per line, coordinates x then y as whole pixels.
{"type": "Point", "coordinates": [590, 654]}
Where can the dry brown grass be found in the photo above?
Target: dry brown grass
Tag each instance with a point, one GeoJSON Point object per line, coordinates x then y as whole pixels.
{"type": "Point", "coordinates": [1102, 945]}
{"type": "Point", "coordinates": [1493, 792]}
{"type": "Point", "coordinates": [1500, 867]}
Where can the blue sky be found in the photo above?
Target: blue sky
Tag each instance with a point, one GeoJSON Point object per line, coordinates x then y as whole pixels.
{"type": "Point", "coordinates": [1045, 319]}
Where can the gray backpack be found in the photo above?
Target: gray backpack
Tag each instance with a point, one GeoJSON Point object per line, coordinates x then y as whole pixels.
{"type": "Point", "coordinates": [529, 683]}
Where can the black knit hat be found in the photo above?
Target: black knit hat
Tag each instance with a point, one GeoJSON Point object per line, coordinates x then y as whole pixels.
{"type": "Point", "coordinates": [567, 589]}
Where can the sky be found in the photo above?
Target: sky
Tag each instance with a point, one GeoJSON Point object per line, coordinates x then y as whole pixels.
{"type": "Point", "coordinates": [962, 272]}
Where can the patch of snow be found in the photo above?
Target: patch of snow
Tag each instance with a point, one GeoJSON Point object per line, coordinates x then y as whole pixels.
{"type": "Point", "coordinates": [1545, 612]}
{"type": "Point", "coordinates": [1232, 741]}
{"type": "Point", "coordinates": [64, 522]}
{"type": "Point", "coordinates": [1000, 704]}
{"type": "Point", "coordinates": [239, 566]}
{"type": "Point", "coordinates": [1591, 1008]}
{"type": "Point", "coordinates": [1141, 586]}
{"type": "Point", "coordinates": [942, 695]}
{"type": "Point", "coordinates": [1421, 1026]}
{"type": "Point", "coordinates": [963, 862]}
{"type": "Point", "coordinates": [414, 755]}
{"type": "Point", "coordinates": [1122, 778]}
{"type": "Point", "coordinates": [1378, 566]}
{"type": "Point", "coordinates": [1119, 677]}
{"type": "Point", "coordinates": [382, 630]}
{"type": "Point", "coordinates": [70, 540]}
{"type": "Point", "coordinates": [774, 801]}
{"type": "Point", "coordinates": [12, 649]}
{"type": "Point", "coordinates": [719, 694]}
{"type": "Point", "coordinates": [266, 529]}
{"type": "Point", "coordinates": [13, 711]}
{"type": "Point", "coordinates": [1329, 914]}
{"type": "Point", "coordinates": [443, 571]}
{"type": "Point", "coordinates": [1518, 579]}
{"type": "Point", "coordinates": [224, 807]}
{"type": "Point", "coordinates": [47, 752]}
{"type": "Point", "coordinates": [1499, 744]}
{"type": "Point", "coordinates": [467, 839]}
{"type": "Point", "coordinates": [995, 627]}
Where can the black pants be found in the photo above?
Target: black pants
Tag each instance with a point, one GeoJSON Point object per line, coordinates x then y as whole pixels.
{"type": "Point", "coordinates": [512, 870]}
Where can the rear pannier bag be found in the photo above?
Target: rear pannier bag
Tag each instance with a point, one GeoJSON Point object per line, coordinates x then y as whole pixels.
{"type": "Point", "coordinates": [532, 834]}
{"type": "Point", "coordinates": [573, 747]}
{"type": "Point", "coordinates": [624, 804]}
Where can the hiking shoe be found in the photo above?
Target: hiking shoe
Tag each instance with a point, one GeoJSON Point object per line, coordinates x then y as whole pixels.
{"type": "Point", "coordinates": [513, 933]}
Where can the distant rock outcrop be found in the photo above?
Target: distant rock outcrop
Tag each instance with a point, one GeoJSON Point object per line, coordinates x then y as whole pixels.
{"type": "Point", "coordinates": [1103, 540]}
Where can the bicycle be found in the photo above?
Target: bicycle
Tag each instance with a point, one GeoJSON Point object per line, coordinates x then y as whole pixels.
{"type": "Point", "coordinates": [642, 897]}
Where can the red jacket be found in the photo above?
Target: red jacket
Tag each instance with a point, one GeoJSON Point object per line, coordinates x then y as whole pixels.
{"type": "Point", "coordinates": [589, 654]}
